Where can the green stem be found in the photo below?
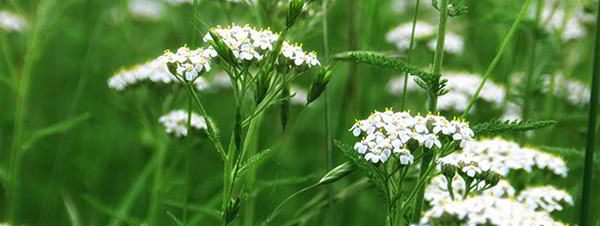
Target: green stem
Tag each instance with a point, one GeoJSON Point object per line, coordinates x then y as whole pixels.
{"type": "Point", "coordinates": [499, 54]}
{"type": "Point", "coordinates": [187, 160]}
{"type": "Point", "coordinates": [411, 46]}
{"type": "Point", "coordinates": [328, 117]}
{"type": "Point", "coordinates": [249, 149]}
{"type": "Point", "coordinates": [21, 98]}
{"type": "Point", "coordinates": [586, 204]}
{"type": "Point", "coordinates": [428, 156]}
{"type": "Point", "coordinates": [438, 58]}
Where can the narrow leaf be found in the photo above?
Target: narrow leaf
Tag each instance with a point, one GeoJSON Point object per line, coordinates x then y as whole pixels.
{"type": "Point", "coordinates": [254, 160]}
{"type": "Point", "coordinates": [381, 60]}
{"type": "Point", "coordinates": [55, 129]}
{"type": "Point", "coordinates": [74, 216]}
{"type": "Point", "coordinates": [366, 167]}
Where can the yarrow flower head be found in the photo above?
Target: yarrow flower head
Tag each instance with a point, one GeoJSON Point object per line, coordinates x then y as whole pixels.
{"type": "Point", "coordinates": [251, 45]}
{"type": "Point", "coordinates": [384, 133]}
{"type": "Point", "coordinates": [154, 71]}
{"type": "Point", "coordinates": [461, 87]}
{"type": "Point", "coordinates": [176, 122]}
{"type": "Point", "coordinates": [11, 22]}
{"type": "Point", "coordinates": [190, 63]}
{"type": "Point", "coordinates": [485, 210]}
{"type": "Point", "coordinates": [503, 156]}
{"type": "Point", "coordinates": [150, 10]}
{"type": "Point", "coordinates": [400, 36]}
{"type": "Point", "coordinates": [546, 198]}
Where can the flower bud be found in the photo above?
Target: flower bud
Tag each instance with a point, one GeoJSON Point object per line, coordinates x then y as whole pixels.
{"type": "Point", "coordinates": [337, 173]}
{"type": "Point", "coordinates": [222, 49]}
{"type": "Point", "coordinates": [449, 170]}
{"type": "Point", "coordinates": [233, 209]}
{"type": "Point", "coordinates": [491, 178]}
{"type": "Point", "coordinates": [294, 11]}
{"type": "Point", "coordinates": [172, 68]}
{"type": "Point", "coordinates": [319, 85]}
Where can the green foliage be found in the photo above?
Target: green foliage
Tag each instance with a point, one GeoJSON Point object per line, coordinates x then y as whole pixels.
{"type": "Point", "coordinates": [253, 161]}
{"type": "Point", "coordinates": [498, 126]}
{"type": "Point", "coordinates": [428, 81]}
{"type": "Point", "coordinates": [368, 169]}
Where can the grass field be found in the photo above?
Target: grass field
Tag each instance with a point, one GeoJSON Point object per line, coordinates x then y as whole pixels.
{"type": "Point", "coordinates": [297, 112]}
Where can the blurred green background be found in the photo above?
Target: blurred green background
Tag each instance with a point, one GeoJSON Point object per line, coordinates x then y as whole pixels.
{"type": "Point", "coordinates": [91, 168]}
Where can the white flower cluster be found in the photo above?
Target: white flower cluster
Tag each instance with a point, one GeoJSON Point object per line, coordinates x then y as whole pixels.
{"type": "Point", "coordinates": [485, 210]}
{"type": "Point", "coordinates": [11, 22]}
{"type": "Point", "coordinates": [546, 198]}
{"type": "Point", "coordinates": [250, 44]}
{"type": "Point", "coordinates": [384, 133]}
{"type": "Point", "coordinates": [503, 156]}
{"type": "Point", "coordinates": [400, 36]}
{"type": "Point", "coordinates": [559, 19]}
{"type": "Point", "coordinates": [436, 193]}
{"type": "Point", "coordinates": [453, 43]}
{"type": "Point", "coordinates": [154, 71]}
{"type": "Point", "coordinates": [461, 87]}
{"type": "Point", "coordinates": [150, 10]}
{"type": "Point", "coordinates": [191, 63]}
{"type": "Point", "coordinates": [176, 121]}
{"type": "Point", "coordinates": [576, 92]}
{"type": "Point", "coordinates": [512, 112]}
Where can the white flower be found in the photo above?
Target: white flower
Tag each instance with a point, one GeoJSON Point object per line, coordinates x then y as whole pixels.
{"type": "Point", "coordinates": [461, 87]}
{"type": "Point", "coordinates": [546, 198]}
{"type": "Point", "coordinates": [251, 45]}
{"type": "Point", "coordinates": [11, 22]}
{"type": "Point", "coordinates": [146, 9]}
{"type": "Point", "coordinates": [190, 63]}
{"type": "Point", "coordinates": [406, 158]}
{"type": "Point", "coordinates": [176, 122]}
{"type": "Point", "coordinates": [153, 71]}
{"type": "Point", "coordinates": [385, 131]}
{"type": "Point", "coordinates": [575, 92]}
{"type": "Point", "coordinates": [487, 210]}
{"type": "Point", "coordinates": [453, 43]}
{"type": "Point", "coordinates": [400, 36]}
{"type": "Point", "coordinates": [558, 19]}
{"type": "Point", "coordinates": [502, 156]}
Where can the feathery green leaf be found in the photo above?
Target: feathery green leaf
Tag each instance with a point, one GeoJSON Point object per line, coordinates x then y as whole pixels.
{"type": "Point", "coordinates": [498, 126]}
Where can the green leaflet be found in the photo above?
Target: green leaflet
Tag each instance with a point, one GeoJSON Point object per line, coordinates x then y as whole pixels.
{"type": "Point", "coordinates": [429, 81]}
{"type": "Point", "coordinates": [366, 167]}
{"type": "Point", "coordinates": [255, 159]}
{"type": "Point", "coordinates": [498, 126]}
{"type": "Point", "coordinates": [381, 60]}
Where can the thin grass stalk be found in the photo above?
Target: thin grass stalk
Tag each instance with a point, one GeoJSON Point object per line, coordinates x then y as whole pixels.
{"type": "Point", "coordinates": [438, 59]}
{"type": "Point", "coordinates": [328, 116]}
{"type": "Point", "coordinates": [187, 155]}
{"type": "Point", "coordinates": [588, 169]}
{"type": "Point", "coordinates": [410, 48]}
{"type": "Point", "coordinates": [499, 54]}
{"type": "Point", "coordinates": [21, 101]}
